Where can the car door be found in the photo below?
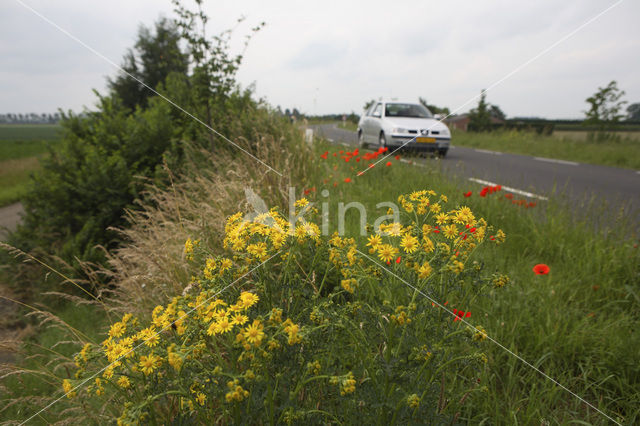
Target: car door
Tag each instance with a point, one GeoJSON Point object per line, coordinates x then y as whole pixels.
{"type": "Point", "coordinates": [373, 124]}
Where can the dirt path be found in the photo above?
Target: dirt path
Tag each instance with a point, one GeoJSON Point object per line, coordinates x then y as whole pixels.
{"type": "Point", "coordinates": [9, 218]}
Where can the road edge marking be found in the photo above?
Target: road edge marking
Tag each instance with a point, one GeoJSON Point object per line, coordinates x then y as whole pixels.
{"type": "Point", "coordinates": [509, 189]}
{"type": "Point", "coordinates": [486, 151]}
{"type": "Point", "coordinates": [553, 160]}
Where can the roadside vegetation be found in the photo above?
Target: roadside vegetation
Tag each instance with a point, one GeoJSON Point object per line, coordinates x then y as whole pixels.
{"type": "Point", "coordinates": [618, 149]}
{"type": "Point", "coordinates": [162, 282]}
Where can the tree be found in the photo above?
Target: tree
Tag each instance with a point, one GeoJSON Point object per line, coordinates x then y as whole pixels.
{"type": "Point", "coordinates": [605, 107]}
{"type": "Point", "coordinates": [496, 112]}
{"type": "Point", "coordinates": [155, 55]}
{"type": "Point", "coordinates": [213, 66]}
{"type": "Point", "coordinates": [480, 118]}
{"type": "Point", "coordinates": [368, 104]}
{"type": "Point", "coordinates": [633, 112]}
{"type": "Point", "coordinates": [434, 109]}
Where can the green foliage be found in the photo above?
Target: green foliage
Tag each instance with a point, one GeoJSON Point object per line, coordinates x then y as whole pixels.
{"type": "Point", "coordinates": [434, 109]}
{"type": "Point", "coordinates": [605, 107]}
{"type": "Point", "coordinates": [84, 187]}
{"type": "Point", "coordinates": [633, 112]}
{"type": "Point", "coordinates": [154, 57]}
{"type": "Point", "coordinates": [480, 118]}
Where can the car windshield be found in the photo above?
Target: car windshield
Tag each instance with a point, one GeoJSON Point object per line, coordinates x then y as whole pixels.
{"type": "Point", "coordinates": [406, 110]}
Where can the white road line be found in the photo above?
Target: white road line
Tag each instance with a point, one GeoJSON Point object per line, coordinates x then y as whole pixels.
{"type": "Point", "coordinates": [553, 160]}
{"type": "Point", "coordinates": [486, 151]}
{"type": "Point", "coordinates": [413, 163]}
{"type": "Point", "coordinates": [344, 144]}
{"type": "Point", "coordinates": [509, 189]}
{"type": "Point", "coordinates": [330, 140]}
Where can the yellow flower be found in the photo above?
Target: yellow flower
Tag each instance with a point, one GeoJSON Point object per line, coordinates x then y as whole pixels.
{"type": "Point", "coordinates": [124, 382]}
{"type": "Point", "coordinates": [450, 231]}
{"type": "Point", "coordinates": [223, 325]}
{"type": "Point", "coordinates": [347, 284]}
{"type": "Point", "coordinates": [479, 334]}
{"type": "Point", "coordinates": [386, 252]}
{"type": "Point", "coordinates": [149, 336]}
{"type": "Point", "coordinates": [374, 241]}
{"type": "Point", "coordinates": [201, 398]}
{"type": "Point", "coordinates": [442, 218]}
{"type": "Point", "coordinates": [248, 299]}
{"type": "Point", "coordinates": [425, 270]}
{"type": "Point", "coordinates": [413, 401]}
{"type": "Point", "coordinates": [348, 384]}
{"type": "Point", "coordinates": [239, 319]}
{"type": "Point", "coordinates": [427, 245]}
{"type": "Point", "coordinates": [68, 388]}
{"type": "Point", "coordinates": [302, 202]}
{"type": "Point", "coordinates": [259, 250]}
{"type": "Point", "coordinates": [276, 315]}
{"type": "Point", "coordinates": [409, 243]}
{"type": "Point", "coordinates": [253, 333]}
{"type": "Point", "coordinates": [117, 329]}
{"type": "Point", "coordinates": [149, 363]}
{"type": "Point", "coordinates": [225, 264]}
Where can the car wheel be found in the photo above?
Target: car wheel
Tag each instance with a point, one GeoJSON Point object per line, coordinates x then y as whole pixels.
{"type": "Point", "coordinates": [361, 142]}
{"type": "Point", "coordinates": [443, 152]}
{"type": "Point", "coordinates": [383, 140]}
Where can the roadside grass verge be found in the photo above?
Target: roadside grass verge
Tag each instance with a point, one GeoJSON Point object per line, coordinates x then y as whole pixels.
{"type": "Point", "coordinates": [348, 125]}
{"type": "Point", "coordinates": [620, 151]}
{"type": "Point", "coordinates": [578, 324]}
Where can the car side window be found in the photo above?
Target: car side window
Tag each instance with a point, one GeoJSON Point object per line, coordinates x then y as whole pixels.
{"type": "Point", "coordinates": [377, 111]}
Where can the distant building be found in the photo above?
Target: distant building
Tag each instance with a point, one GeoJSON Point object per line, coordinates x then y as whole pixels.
{"type": "Point", "coordinates": [461, 122]}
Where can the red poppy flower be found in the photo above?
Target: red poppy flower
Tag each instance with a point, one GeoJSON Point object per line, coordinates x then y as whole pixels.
{"type": "Point", "coordinates": [325, 155]}
{"type": "Point", "coordinates": [360, 173]}
{"type": "Point", "coordinates": [388, 163]}
{"type": "Point", "coordinates": [531, 205]}
{"type": "Point", "coordinates": [371, 166]}
{"type": "Point", "coordinates": [347, 180]}
{"type": "Point", "coordinates": [468, 194]}
{"type": "Point", "coordinates": [307, 191]}
{"type": "Point", "coordinates": [399, 259]}
{"type": "Point", "coordinates": [484, 191]}
{"type": "Point", "coordinates": [397, 157]}
{"type": "Point", "coordinates": [342, 151]}
{"type": "Point", "coordinates": [508, 196]}
{"type": "Point", "coordinates": [541, 269]}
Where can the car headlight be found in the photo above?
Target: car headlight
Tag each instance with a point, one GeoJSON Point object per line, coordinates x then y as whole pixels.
{"type": "Point", "coordinates": [399, 130]}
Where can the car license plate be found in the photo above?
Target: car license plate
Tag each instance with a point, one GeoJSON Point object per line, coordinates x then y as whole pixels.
{"type": "Point", "coordinates": [425, 140]}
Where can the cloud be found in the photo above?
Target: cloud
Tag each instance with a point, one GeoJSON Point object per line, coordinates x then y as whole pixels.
{"type": "Point", "coordinates": [318, 54]}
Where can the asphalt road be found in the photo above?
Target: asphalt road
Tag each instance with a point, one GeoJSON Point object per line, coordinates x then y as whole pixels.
{"type": "Point", "coordinates": [532, 178]}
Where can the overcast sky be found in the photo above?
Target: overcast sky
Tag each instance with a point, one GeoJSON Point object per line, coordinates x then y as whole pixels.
{"type": "Point", "coordinates": [332, 56]}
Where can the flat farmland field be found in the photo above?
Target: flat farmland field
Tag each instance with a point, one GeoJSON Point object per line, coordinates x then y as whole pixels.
{"type": "Point", "coordinates": [21, 148]}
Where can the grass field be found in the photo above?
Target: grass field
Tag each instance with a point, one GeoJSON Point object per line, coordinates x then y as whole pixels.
{"type": "Point", "coordinates": [572, 146]}
{"type": "Point", "coordinates": [20, 148]}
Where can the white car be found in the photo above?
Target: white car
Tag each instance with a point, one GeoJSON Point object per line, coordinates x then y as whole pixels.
{"type": "Point", "coordinates": [409, 126]}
